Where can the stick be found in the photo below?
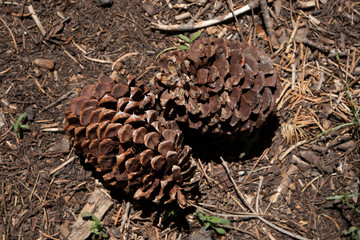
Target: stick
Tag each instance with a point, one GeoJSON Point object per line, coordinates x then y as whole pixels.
{"type": "Point", "coordinates": [122, 58]}
{"type": "Point", "coordinates": [125, 217]}
{"type": "Point", "coordinates": [62, 165]}
{"type": "Point", "coordinates": [267, 21]}
{"type": "Point", "coordinates": [59, 100]}
{"type": "Point", "coordinates": [37, 21]}
{"type": "Point", "coordinates": [241, 196]}
{"type": "Point", "coordinates": [12, 35]}
{"type": "Point", "coordinates": [207, 23]}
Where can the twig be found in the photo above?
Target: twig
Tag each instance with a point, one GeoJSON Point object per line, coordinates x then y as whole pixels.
{"type": "Point", "coordinates": [258, 193]}
{"type": "Point", "coordinates": [36, 19]}
{"type": "Point", "coordinates": [117, 216]}
{"type": "Point", "coordinates": [35, 185]}
{"type": "Point", "coordinates": [293, 34]}
{"type": "Point", "coordinates": [97, 60]}
{"type": "Point", "coordinates": [26, 30]}
{"type": "Point", "coordinates": [59, 100]}
{"type": "Point", "coordinates": [125, 217]}
{"type": "Point", "coordinates": [241, 196]}
{"type": "Point", "coordinates": [5, 71]}
{"type": "Point", "coordinates": [293, 76]}
{"type": "Point", "coordinates": [122, 58]}
{"type": "Point", "coordinates": [12, 35]}
{"type": "Point", "coordinates": [29, 190]}
{"type": "Point", "coordinates": [291, 148]}
{"type": "Point", "coordinates": [62, 165]}
{"type": "Point", "coordinates": [201, 12]}
{"type": "Point", "coordinates": [231, 4]}
{"type": "Point", "coordinates": [74, 59]}
{"type": "Point", "coordinates": [207, 23]}
{"type": "Point", "coordinates": [267, 21]}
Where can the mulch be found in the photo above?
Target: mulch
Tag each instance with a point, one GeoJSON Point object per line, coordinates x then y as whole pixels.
{"type": "Point", "coordinates": [274, 184]}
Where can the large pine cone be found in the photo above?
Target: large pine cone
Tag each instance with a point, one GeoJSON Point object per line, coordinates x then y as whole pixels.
{"type": "Point", "coordinates": [218, 87]}
{"type": "Point", "coordinates": [115, 126]}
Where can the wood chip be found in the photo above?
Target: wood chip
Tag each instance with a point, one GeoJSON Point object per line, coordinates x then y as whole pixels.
{"type": "Point", "coordinates": [98, 204]}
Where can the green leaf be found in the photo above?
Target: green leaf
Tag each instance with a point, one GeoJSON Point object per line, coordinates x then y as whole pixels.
{"type": "Point", "coordinates": [214, 220]}
{"type": "Point", "coordinates": [207, 225]}
{"type": "Point", "coordinates": [334, 128]}
{"type": "Point", "coordinates": [17, 125]}
{"type": "Point", "coordinates": [95, 219]}
{"type": "Point", "coordinates": [183, 47]}
{"type": "Point", "coordinates": [337, 197]}
{"type": "Point", "coordinates": [195, 36]}
{"type": "Point", "coordinates": [224, 221]}
{"type": "Point", "coordinates": [24, 126]}
{"type": "Point", "coordinates": [353, 195]}
{"type": "Point", "coordinates": [219, 230]}
{"type": "Point", "coordinates": [185, 38]}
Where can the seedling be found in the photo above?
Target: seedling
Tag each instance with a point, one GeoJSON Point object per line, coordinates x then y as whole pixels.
{"type": "Point", "coordinates": [169, 214]}
{"type": "Point", "coordinates": [213, 222]}
{"type": "Point", "coordinates": [346, 200]}
{"type": "Point", "coordinates": [97, 226]}
{"type": "Point", "coordinates": [18, 127]}
{"type": "Point", "coordinates": [354, 231]}
{"type": "Point", "coordinates": [354, 111]}
{"type": "Point", "coordinates": [185, 47]}
{"type": "Point", "coordinates": [188, 41]}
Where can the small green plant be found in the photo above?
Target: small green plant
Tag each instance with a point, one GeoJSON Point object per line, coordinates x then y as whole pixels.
{"type": "Point", "coordinates": [213, 222]}
{"type": "Point", "coordinates": [97, 226]}
{"type": "Point", "coordinates": [345, 198]}
{"type": "Point", "coordinates": [354, 111]}
{"type": "Point", "coordinates": [188, 41]}
{"type": "Point", "coordinates": [185, 46]}
{"type": "Point", "coordinates": [169, 214]}
{"type": "Point", "coordinates": [354, 231]}
{"type": "Point", "coordinates": [18, 127]}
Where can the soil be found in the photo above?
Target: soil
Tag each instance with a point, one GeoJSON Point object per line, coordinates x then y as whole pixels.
{"type": "Point", "coordinates": [286, 172]}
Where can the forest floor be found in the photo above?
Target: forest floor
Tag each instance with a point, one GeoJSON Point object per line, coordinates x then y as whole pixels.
{"type": "Point", "coordinates": [50, 49]}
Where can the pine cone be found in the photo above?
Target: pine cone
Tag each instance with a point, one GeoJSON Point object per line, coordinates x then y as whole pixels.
{"type": "Point", "coordinates": [115, 126]}
{"type": "Point", "coordinates": [218, 87]}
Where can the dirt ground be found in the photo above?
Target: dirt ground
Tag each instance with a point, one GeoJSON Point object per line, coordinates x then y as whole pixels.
{"type": "Point", "coordinates": [285, 175]}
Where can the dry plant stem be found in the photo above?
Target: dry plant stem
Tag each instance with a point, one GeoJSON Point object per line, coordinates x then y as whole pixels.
{"type": "Point", "coordinates": [98, 60]}
{"type": "Point", "coordinates": [201, 12]}
{"type": "Point", "coordinates": [62, 165]}
{"type": "Point", "coordinates": [296, 26]}
{"type": "Point", "coordinates": [207, 23]}
{"type": "Point", "coordinates": [36, 20]}
{"type": "Point", "coordinates": [243, 216]}
{"type": "Point", "coordinates": [125, 217]}
{"type": "Point", "coordinates": [258, 193]}
{"type": "Point", "coordinates": [291, 148]}
{"type": "Point", "coordinates": [293, 76]}
{"type": "Point", "coordinates": [5, 71]}
{"type": "Point", "coordinates": [267, 20]}
{"type": "Point", "coordinates": [231, 4]}
{"type": "Point", "coordinates": [74, 59]}
{"type": "Point", "coordinates": [59, 100]}
{"type": "Point", "coordinates": [12, 35]}
{"type": "Point", "coordinates": [241, 196]}
{"type": "Point", "coordinates": [122, 58]}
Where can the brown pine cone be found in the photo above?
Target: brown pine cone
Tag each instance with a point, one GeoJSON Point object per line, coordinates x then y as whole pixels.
{"type": "Point", "coordinates": [114, 125]}
{"type": "Point", "coordinates": [218, 87]}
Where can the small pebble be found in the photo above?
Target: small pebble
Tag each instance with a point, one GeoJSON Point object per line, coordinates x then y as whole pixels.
{"type": "Point", "coordinates": [45, 63]}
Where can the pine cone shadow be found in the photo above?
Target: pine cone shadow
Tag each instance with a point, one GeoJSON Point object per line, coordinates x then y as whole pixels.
{"type": "Point", "coordinates": [234, 148]}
